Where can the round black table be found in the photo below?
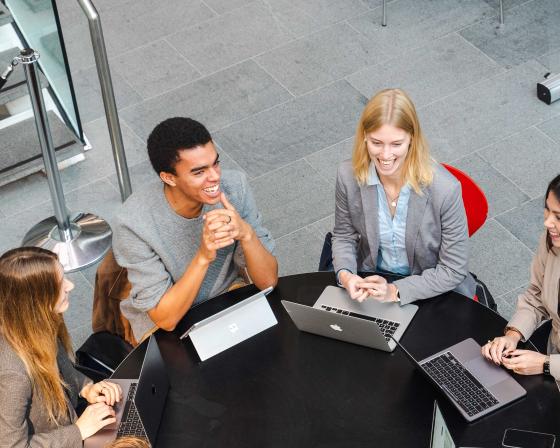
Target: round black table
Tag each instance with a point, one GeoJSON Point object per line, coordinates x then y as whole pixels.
{"type": "Point", "coordinates": [285, 388]}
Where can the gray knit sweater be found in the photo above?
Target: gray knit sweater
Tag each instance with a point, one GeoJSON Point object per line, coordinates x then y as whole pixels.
{"type": "Point", "coordinates": [156, 245]}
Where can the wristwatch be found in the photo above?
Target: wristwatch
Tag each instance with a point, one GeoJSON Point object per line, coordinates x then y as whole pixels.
{"type": "Point", "coordinates": [546, 366]}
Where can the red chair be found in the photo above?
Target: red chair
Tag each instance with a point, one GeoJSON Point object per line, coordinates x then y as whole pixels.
{"type": "Point", "coordinates": [474, 199]}
{"type": "Point", "coordinates": [476, 207]}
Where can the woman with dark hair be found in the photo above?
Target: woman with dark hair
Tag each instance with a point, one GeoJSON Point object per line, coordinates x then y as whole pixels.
{"type": "Point", "coordinates": [397, 211]}
{"type": "Point", "coordinates": [39, 386]}
{"type": "Point", "coordinates": [537, 304]}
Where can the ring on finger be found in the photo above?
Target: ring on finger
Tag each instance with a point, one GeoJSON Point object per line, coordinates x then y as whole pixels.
{"type": "Point", "coordinates": [229, 220]}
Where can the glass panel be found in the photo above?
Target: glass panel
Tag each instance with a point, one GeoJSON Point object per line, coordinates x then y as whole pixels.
{"type": "Point", "coordinates": [39, 25]}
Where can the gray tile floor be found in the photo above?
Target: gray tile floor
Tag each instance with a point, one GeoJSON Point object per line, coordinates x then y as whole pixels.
{"type": "Point", "coordinates": [281, 85]}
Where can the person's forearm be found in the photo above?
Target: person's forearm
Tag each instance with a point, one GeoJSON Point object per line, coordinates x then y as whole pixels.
{"type": "Point", "coordinates": [261, 264]}
{"type": "Point", "coordinates": [178, 299]}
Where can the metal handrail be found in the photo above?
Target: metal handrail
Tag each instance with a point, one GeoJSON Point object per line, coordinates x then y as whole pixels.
{"type": "Point", "coordinates": [108, 94]}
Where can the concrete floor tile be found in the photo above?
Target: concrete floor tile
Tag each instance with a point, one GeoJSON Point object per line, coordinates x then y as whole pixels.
{"type": "Point", "coordinates": [525, 222]}
{"type": "Point", "coordinates": [501, 193]}
{"type": "Point", "coordinates": [326, 161]}
{"type": "Point", "coordinates": [504, 309]}
{"type": "Point", "coordinates": [294, 18]}
{"type": "Point", "coordinates": [442, 67]}
{"type": "Point", "coordinates": [81, 302]}
{"type": "Point", "coordinates": [79, 335]}
{"type": "Point", "coordinates": [131, 24]}
{"type": "Point", "coordinates": [215, 101]}
{"type": "Point", "coordinates": [413, 23]}
{"type": "Point", "coordinates": [99, 198]}
{"type": "Point", "coordinates": [293, 130]}
{"type": "Point", "coordinates": [292, 197]}
{"type": "Point", "coordinates": [507, 4]}
{"type": "Point", "coordinates": [499, 259]}
{"type": "Point", "coordinates": [552, 129]}
{"type": "Point", "coordinates": [322, 227]}
{"type": "Point", "coordinates": [529, 159]}
{"type": "Point", "coordinates": [485, 113]}
{"type": "Point", "coordinates": [223, 6]}
{"type": "Point", "coordinates": [15, 227]}
{"type": "Point", "coordinates": [88, 94]}
{"type": "Point", "coordinates": [551, 61]}
{"type": "Point", "coordinates": [298, 252]}
{"type": "Point", "coordinates": [321, 58]}
{"type": "Point", "coordinates": [331, 11]}
{"type": "Point", "coordinates": [230, 38]}
{"type": "Point", "coordinates": [536, 21]}
{"type": "Point", "coordinates": [507, 303]}
{"type": "Point", "coordinates": [170, 71]}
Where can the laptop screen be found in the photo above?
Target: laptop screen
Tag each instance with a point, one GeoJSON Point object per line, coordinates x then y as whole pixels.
{"type": "Point", "coordinates": [441, 437]}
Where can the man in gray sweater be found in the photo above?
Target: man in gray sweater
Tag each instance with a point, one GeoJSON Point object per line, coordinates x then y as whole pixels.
{"type": "Point", "coordinates": [190, 236]}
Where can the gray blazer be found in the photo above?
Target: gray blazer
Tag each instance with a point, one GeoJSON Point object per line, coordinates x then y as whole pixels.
{"type": "Point", "coordinates": [436, 236]}
{"type": "Point", "coordinates": [23, 420]}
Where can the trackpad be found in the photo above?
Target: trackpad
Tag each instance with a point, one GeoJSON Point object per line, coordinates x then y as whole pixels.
{"type": "Point", "coordinates": [485, 371]}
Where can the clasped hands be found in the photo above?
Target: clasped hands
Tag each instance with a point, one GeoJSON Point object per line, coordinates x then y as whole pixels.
{"type": "Point", "coordinates": [373, 286]}
{"type": "Point", "coordinates": [222, 226]}
{"type": "Point", "coordinates": [502, 350]}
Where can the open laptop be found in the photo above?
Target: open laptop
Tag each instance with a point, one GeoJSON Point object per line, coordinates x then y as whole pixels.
{"type": "Point", "coordinates": [139, 412]}
{"type": "Point", "coordinates": [475, 386]}
{"type": "Point", "coordinates": [369, 323]}
{"type": "Point", "coordinates": [231, 326]}
{"type": "Point", "coordinates": [440, 436]}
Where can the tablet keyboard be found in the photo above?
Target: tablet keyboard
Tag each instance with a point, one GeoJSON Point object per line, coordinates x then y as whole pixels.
{"type": "Point", "coordinates": [467, 391]}
{"type": "Point", "coordinates": [387, 327]}
{"type": "Point", "coordinates": [131, 425]}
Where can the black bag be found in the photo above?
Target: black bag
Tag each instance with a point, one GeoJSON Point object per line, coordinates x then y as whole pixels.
{"type": "Point", "coordinates": [100, 355]}
{"type": "Point", "coordinates": [325, 262]}
{"type": "Point", "coordinates": [483, 294]}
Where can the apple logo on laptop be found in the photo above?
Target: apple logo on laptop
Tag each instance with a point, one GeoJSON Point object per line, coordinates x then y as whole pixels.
{"type": "Point", "coordinates": [335, 327]}
{"type": "Point", "coordinates": [233, 328]}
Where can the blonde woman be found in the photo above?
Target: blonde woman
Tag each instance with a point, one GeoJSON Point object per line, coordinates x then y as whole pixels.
{"type": "Point", "coordinates": [39, 386]}
{"type": "Point", "coordinates": [397, 211]}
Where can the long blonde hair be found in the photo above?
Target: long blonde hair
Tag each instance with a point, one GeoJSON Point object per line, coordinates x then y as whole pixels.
{"type": "Point", "coordinates": [29, 290]}
{"type": "Point", "coordinates": [395, 108]}
{"type": "Point", "coordinates": [128, 442]}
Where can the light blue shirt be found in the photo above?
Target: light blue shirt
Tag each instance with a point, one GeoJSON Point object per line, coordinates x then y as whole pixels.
{"type": "Point", "coordinates": [392, 255]}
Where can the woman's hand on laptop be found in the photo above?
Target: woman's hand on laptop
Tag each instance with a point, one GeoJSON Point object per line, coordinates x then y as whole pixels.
{"type": "Point", "coordinates": [378, 289]}
{"type": "Point", "coordinates": [351, 282]}
{"type": "Point", "coordinates": [495, 349]}
{"type": "Point", "coordinates": [95, 417]}
{"type": "Point", "coordinates": [102, 392]}
{"type": "Point", "coordinates": [525, 362]}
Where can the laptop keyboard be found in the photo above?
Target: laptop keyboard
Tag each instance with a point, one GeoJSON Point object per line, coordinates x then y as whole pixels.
{"type": "Point", "coordinates": [467, 391]}
{"type": "Point", "coordinates": [387, 327]}
{"type": "Point", "coordinates": [131, 425]}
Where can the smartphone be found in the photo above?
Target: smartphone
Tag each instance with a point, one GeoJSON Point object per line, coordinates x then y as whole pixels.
{"type": "Point", "coordinates": [519, 438]}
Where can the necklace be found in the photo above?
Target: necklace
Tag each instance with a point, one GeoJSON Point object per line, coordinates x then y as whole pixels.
{"type": "Point", "coordinates": [393, 201]}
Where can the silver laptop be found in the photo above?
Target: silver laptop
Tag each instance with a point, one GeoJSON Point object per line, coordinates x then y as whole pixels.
{"type": "Point", "coordinates": [369, 323]}
{"type": "Point", "coordinates": [139, 412]}
{"type": "Point", "coordinates": [474, 385]}
{"type": "Point", "coordinates": [231, 326]}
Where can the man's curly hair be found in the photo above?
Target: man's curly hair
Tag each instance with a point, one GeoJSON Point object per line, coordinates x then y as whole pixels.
{"type": "Point", "coordinates": [171, 136]}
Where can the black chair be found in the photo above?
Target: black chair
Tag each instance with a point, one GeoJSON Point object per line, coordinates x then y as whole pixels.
{"type": "Point", "coordinates": [101, 354]}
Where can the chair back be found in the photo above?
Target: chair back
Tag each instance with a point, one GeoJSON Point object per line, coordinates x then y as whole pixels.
{"type": "Point", "coordinates": [474, 200]}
